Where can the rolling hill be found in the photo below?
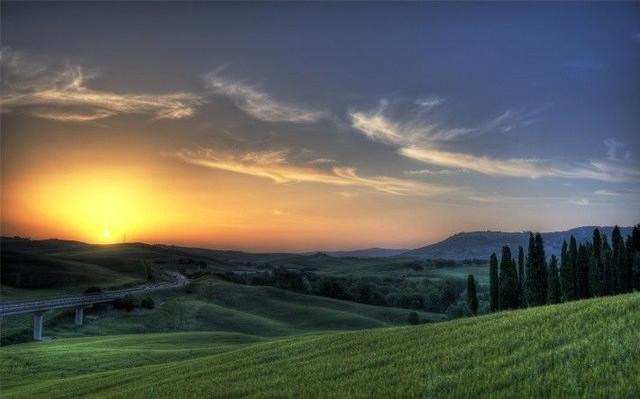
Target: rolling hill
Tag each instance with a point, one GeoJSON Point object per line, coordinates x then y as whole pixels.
{"type": "Point", "coordinates": [580, 349]}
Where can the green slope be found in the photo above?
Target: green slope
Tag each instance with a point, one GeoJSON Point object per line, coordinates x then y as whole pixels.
{"type": "Point", "coordinates": [588, 349]}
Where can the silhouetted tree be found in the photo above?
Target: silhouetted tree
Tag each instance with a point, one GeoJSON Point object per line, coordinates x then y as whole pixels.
{"type": "Point", "coordinates": [623, 279]}
{"type": "Point", "coordinates": [572, 275]}
{"type": "Point", "coordinates": [616, 247]}
{"type": "Point", "coordinates": [508, 296]}
{"type": "Point", "coordinates": [537, 272]}
{"type": "Point", "coordinates": [494, 283]}
{"type": "Point", "coordinates": [597, 270]}
{"type": "Point", "coordinates": [565, 273]}
{"type": "Point", "coordinates": [635, 258]}
{"type": "Point", "coordinates": [554, 294]}
{"type": "Point", "coordinates": [472, 297]}
{"type": "Point", "coordinates": [521, 299]}
{"type": "Point", "coordinates": [608, 286]}
{"type": "Point", "coordinates": [582, 272]}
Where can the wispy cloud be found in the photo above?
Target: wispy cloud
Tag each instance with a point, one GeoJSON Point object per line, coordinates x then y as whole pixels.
{"type": "Point", "coordinates": [606, 193]}
{"type": "Point", "coordinates": [434, 172]}
{"type": "Point", "coordinates": [60, 92]}
{"type": "Point", "coordinates": [273, 165]}
{"type": "Point", "coordinates": [322, 161]}
{"type": "Point", "coordinates": [580, 202]}
{"type": "Point", "coordinates": [424, 143]}
{"type": "Point", "coordinates": [258, 103]}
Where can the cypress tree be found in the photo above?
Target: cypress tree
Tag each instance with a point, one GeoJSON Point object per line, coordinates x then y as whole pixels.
{"type": "Point", "coordinates": [608, 286]}
{"type": "Point", "coordinates": [521, 300]}
{"type": "Point", "coordinates": [592, 272]}
{"type": "Point", "coordinates": [528, 283]}
{"type": "Point", "coordinates": [472, 297]}
{"type": "Point", "coordinates": [597, 271]}
{"type": "Point", "coordinates": [616, 239]}
{"type": "Point", "coordinates": [572, 268]}
{"type": "Point", "coordinates": [565, 275]}
{"type": "Point", "coordinates": [537, 272]}
{"type": "Point", "coordinates": [635, 258]}
{"type": "Point", "coordinates": [623, 279]}
{"type": "Point", "coordinates": [554, 294]}
{"type": "Point", "coordinates": [494, 288]}
{"type": "Point", "coordinates": [582, 272]}
{"type": "Point", "coordinates": [629, 260]}
{"type": "Point", "coordinates": [508, 296]}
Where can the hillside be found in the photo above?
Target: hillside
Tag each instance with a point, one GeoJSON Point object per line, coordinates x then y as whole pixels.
{"type": "Point", "coordinates": [580, 349]}
{"type": "Point", "coordinates": [216, 305]}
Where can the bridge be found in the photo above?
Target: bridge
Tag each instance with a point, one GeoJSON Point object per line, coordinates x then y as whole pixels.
{"type": "Point", "coordinates": [80, 301]}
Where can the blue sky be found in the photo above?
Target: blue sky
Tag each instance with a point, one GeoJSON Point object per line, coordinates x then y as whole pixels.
{"type": "Point", "coordinates": [465, 115]}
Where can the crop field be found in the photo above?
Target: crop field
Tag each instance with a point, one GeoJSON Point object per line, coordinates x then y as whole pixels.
{"type": "Point", "coordinates": [586, 348]}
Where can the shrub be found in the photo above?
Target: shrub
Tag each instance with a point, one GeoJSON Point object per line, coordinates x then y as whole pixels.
{"type": "Point", "coordinates": [413, 318]}
{"type": "Point", "coordinates": [147, 302]}
{"type": "Point", "coordinates": [93, 290]}
{"type": "Point", "coordinates": [125, 303]}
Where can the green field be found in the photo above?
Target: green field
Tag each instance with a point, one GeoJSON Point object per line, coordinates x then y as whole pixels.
{"type": "Point", "coordinates": [579, 349]}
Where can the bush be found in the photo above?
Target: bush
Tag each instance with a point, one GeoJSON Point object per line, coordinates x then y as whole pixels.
{"type": "Point", "coordinates": [125, 303]}
{"type": "Point", "coordinates": [413, 318]}
{"type": "Point", "coordinates": [147, 303]}
{"type": "Point", "coordinates": [93, 290]}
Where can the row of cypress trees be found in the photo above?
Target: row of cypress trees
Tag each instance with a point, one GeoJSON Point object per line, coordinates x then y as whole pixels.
{"type": "Point", "coordinates": [585, 270]}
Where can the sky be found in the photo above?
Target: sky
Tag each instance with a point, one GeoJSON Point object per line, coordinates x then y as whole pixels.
{"type": "Point", "coordinates": [317, 126]}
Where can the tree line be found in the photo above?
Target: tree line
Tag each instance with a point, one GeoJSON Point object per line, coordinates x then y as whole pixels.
{"type": "Point", "coordinates": [585, 270]}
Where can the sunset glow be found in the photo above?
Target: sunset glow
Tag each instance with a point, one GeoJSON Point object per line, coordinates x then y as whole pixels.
{"type": "Point", "coordinates": [230, 142]}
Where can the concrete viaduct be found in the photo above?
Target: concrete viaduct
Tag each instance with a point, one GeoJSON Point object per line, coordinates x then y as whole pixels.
{"type": "Point", "coordinates": [79, 302]}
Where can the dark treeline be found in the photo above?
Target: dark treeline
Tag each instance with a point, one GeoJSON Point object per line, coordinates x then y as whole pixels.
{"type": "Point", "coordinates": [585, 270]}
{"type": "Point", "coordinates": [427, 295]}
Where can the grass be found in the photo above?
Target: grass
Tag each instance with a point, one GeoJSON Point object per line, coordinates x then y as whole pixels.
{"type": "Point", "coordinates": [581, 349]}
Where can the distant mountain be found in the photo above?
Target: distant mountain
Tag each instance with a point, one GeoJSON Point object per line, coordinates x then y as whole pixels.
{"type": "Point", "coordinates": [480, 244]}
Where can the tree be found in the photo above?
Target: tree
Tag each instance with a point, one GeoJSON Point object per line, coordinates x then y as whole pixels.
{"type": "Point", "coordinates": [472, 297]}
{"type": "Point", "coordinates": [508, 296]}
{"type": "Point", "coordinates": [582, 272]}
{"type": "Point", "coordinates": [616, 240]}
{"type": "Point", "coordinates": [571, 274]}
{"type": "Point", "coordinates": [597, 272]}
{"type": "Point", "coordinates": [537, 276]}
{"type": "Point", "coordinates": [565, 273]}
{"type": "Point", "coordinates": [521, 300]}
{"type": "Point", "coordinates": [635, 258]}
{"type": "Point", "coordinates": [608, 284]}
{"type": "Point", "coordinates": [623, 279]}
{"type": "Point", "coordinates": [628, 266]}
{"type": "Point", "coordinates": [413, 318]}
{"type": "Point", "coordinates": [494, 288]}
{"type": "Point", "coordinates": [554, 294]}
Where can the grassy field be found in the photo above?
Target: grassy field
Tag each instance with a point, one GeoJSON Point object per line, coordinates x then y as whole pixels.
{"type": "Point", "coordinates": [580, 349]}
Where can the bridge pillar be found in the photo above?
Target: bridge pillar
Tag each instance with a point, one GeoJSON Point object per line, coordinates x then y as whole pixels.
{"type": "Point", "coordinates": [37, 326]}
{"type": "Point", "coordinates": [79, 315]}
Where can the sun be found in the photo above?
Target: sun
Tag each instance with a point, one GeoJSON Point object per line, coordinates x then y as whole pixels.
{"type": "Point", "coordinates": [106, 234]}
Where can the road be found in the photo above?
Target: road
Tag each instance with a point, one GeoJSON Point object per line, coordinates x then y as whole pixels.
{"type": "Point", "coordinates": [79, 300]}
